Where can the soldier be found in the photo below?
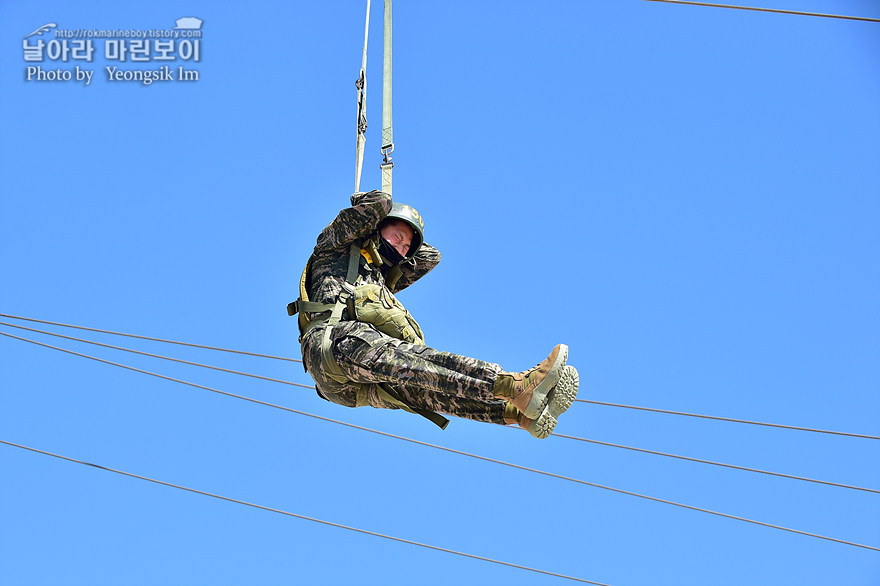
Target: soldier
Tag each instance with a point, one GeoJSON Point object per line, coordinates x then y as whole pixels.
{"type": "Point", "coordinates": [363, 348]}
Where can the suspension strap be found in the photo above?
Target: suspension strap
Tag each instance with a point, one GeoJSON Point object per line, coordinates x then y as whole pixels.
{"type": "Point", "coordinates": [361, 85]}
{"type": "Point", "coordinates": [392, 397]}
{"type": "Point", "coordinates": [387, 132]}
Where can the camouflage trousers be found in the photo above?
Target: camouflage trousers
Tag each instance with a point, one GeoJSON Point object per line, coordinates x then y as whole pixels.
{"type": "Point", "coordinates": [425, 377]}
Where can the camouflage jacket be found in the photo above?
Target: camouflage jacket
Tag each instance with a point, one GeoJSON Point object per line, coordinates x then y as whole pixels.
{"type": "Point", "coordinates": [330, 257]}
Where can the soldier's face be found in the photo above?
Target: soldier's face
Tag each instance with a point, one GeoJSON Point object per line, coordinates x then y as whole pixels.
{"type": "Point", "coordinates": [399, 235]}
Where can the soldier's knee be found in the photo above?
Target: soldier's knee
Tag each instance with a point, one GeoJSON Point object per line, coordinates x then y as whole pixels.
{"type": "Point", "coordinates": [344, 397]}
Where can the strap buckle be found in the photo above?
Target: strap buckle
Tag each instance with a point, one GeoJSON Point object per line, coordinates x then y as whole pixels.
{"type": "Point", "coordinates": [386, 151]}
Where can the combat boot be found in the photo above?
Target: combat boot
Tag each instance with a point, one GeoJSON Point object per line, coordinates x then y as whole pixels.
{"type": "Point", "coordinates": [530, 391]}
{"type": "Point", "coordinates": [544, 424]}
{"type": "Point", "coordinates": [539, 428]}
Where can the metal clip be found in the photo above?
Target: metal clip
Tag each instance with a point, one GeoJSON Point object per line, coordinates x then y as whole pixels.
{"type": "Point", "coordinates": [386, 151]}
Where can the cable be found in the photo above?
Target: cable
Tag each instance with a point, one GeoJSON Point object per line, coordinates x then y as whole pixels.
{"type": "Point", "coordinates": [790, 427]}
{"type": "Point", "coordinates": [274, 380]}
{"type": "Point", "coordinates": [873, 437]}
{"type": "Point", "coordinates": [450, 450]}
{"type": "Point", "coordinates": [289, 514]}
{"type": "Point", "coordinates": [583, 439]}
{"type": "Point", "coordinates": [558, 435]}
{"type": "Point", "coordinates": [768, 10]}
{"type": "Point", "coordinates": [52, 323]}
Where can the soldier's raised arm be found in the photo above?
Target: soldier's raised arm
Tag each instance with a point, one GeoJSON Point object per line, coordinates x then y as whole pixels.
{"type": "Point", "coordinates": [417, 267]}
{"type": "Point", "coordinates": [354, 222]}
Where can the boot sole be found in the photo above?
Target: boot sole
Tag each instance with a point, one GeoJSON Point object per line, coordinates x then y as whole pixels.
{"type": "Point", "coordinates": [543, 426]}
{"type": "Point", "coordinates": [543, 392]}
{"type": "Point", "coordinates": [565, 393]}
{"type": "Point", "coordinates": [563, 397]}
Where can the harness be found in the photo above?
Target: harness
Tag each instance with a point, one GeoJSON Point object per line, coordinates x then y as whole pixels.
{"type": "Point", "coordinates": [331, 313]}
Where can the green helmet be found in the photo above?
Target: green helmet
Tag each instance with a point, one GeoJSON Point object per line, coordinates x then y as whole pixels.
{"type": "Point", "coordinates": [401, 211]}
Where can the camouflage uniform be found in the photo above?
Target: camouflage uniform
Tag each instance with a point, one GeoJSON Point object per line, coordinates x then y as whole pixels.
{"type": "Point", "coordinates": [425, 377]}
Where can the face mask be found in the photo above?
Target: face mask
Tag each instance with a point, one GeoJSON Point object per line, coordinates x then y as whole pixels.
{"type": "Point", "coordinates": [388, 252]}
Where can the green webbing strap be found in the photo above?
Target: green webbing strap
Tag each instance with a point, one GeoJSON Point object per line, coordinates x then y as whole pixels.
{"type": "Point", "coordinates": [328, 361]}
{"type": "Point", "coordinates": [391, 396]}
{"type": "Point", "coordinates": [387, 131]}
{"type": "Point", "coordinates": [361, 85]}
{"type": "Point", "coordinates": [393, 275]}
{"type": "Point", "coordinates": [354, 261]}
{"type": "Point", "coordinates": [300, 306]}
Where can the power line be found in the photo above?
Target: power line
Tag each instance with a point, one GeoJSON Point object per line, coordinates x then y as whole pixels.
{"type": "Point", "coordinates": [450, 450]}
{"type": "Point", "coordinates": [52, 323]}
{"type": "Point", "coordinates": [652, 452]}
{"type": "Point", "coordinates": [873, 437]}
{"type": "Point", "coordinates": [797, 12]}
{"type": "Point", "coordinates": [313, 519]}
{"type": "Point", "coordinates": [744, 468]}
{"type": "Point", "coordinates": [744, 421]}
{"type": "Point", "coordinates": [274, 380]}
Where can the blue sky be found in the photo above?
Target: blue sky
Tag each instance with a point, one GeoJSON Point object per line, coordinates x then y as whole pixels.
{"type": "Point", "coordinates": [688, 197]}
